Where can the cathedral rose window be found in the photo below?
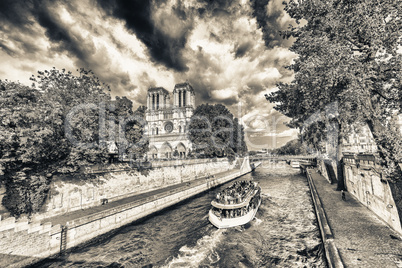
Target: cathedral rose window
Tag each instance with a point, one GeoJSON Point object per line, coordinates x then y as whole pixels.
{"type": "Point", "coordinates": [168, 127]}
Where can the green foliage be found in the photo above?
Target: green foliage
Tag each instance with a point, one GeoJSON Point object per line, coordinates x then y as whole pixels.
{"type": "Point", "coordinates": [214, 132]}
{"type": "Point", "coordinates": [230, 154]}
{"type": "Point", "coordinates": [239, 146]}
{"type": "Point", "coordinates": [348, 54]}
{"type": "Point", "coordinates": [25, 193]}
{"type": "Point", "coordinates": [293, 147]}
{"type": "Point", "coordinates": [138, 145]}
{"type": "Point", "coordinates": [252, 153]}
{"type": "Point", "coordinates": [190, 154]}
{"type": "Point", "coordinates": [58, 128]}
{"type": "Point", "coordinates": [79, 99]}
{"type": "Point", "coordinates": [30, 128]}
{"type": "Point", "coordinates": [126, 127]}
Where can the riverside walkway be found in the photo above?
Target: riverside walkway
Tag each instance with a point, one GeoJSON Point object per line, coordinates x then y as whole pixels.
{"type": "Point", "coordinates": [361, 238]}
{"type": "Point", "coordinates": [137, 199]}
{"type": "Point", "coordinates": [134, 200]}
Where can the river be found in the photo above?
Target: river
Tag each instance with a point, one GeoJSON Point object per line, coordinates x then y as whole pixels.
{"type": "Point", "coordinates": [283, 234]}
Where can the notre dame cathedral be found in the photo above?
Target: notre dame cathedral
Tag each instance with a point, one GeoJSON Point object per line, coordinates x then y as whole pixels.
{"type": "Point", "coordinates": [168, 124]}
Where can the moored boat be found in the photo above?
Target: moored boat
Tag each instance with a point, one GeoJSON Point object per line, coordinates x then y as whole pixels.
{"type": "Point", "coordinates": [295, 164]}
{"type": "Point", "coordinates": [235, 205]}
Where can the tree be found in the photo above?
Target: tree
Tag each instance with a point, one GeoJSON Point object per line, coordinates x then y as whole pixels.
{"type": "Point", "coordinates": [82, 100]}
{"type": "Point", "coordinates": [293, 147]}
{"type": "Point", "coordinates": [214, 132]}
{"type": "Point", "coordinates": [348, 55]}
{"type": "Point", "coordinates": [126, 127]}
{"type": "Point", "coordinates": [138, 146]}
{"type": "Point", "coordinates": [239, 145]}
{"type": "Point", "coordinates": [57, 127]}
{"type": "Point", "coordinates": [29, 144]}
{"type": "Point", "coordinates": [134, 131]}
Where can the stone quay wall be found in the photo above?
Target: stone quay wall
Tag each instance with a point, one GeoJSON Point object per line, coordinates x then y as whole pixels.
{"type": "Point", "coordinates": [86, 228]}
{"type": "Point", "coordinates": [331, 252]}
{"type": "Point", "coordinates": [40, 240]}
{"type": "Point", "coordinates": [73, 194]}
{"type": "Point", "coordinates": [324, 166]}
{"type": "Point", "coordinates": [21, 238]}
{"type": "Point", "coordinates": [363, 180]}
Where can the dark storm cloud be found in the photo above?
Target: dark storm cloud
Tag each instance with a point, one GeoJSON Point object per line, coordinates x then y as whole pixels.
{"type": "Point", "coordinates": [144, 79]}
{"type": "Point", "coordinates": [269, 21]}
{"type": "Point", "coordinates": [20, 17]}
{"type": "Point", "coordinates": [6, 49]}
{"type": "Point", "coordinates": [60, 35]}
{"type": "Point", "coordinates": [14, 15]}
{"type": "Point", "coordinates": [255, 87]}
{"type": "Point", "coordinates": [179, 11]}
{"type": "Point", "coordinates": [137, 16]}
{"type": "Point", "coordinates": [241, 49]}
{"type": "Point", "coordinates": [19, 20]}
{"type": "Point", "coordinates": [198, 78]}
{"type": "Point", "coordinates": [217, 6]}
{"type": "Point", "coordinates": [15, 12]}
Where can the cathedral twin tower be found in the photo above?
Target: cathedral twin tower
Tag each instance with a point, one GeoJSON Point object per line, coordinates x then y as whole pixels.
{"type": "Point", "coordinates": [167, 124]}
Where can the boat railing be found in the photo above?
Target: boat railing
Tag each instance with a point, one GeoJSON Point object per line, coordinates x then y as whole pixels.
{"type": "Point", "coordinates": [227, 199]}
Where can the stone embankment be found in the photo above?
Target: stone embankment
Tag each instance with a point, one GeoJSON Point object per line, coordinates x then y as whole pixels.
{"type": "Point", "coordinates": [331, 252]}
{"type": "Point", "coordinates": [23, 243]}
{"type": "Point", "coordinates": [83, 191]}
{"type": "Point", "coordinates": [353, 236]}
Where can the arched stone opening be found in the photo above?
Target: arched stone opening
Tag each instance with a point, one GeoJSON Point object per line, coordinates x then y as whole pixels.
{"type": "Point", "coordinates": [166, 150]}
{"type": "Point", "coordinates": [181, 149]}
{"type": "Point", "coordinates": [153, 152]}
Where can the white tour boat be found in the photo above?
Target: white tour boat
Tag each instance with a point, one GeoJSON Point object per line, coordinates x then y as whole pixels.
{"type": "Point", "coordinates": [235, 205]}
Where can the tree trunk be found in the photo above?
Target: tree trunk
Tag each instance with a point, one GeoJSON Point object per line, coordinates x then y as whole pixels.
{"type": "Point", "coordinates": [339, 161]}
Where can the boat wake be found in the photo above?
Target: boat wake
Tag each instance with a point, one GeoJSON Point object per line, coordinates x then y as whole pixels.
{"type": "Point", "coordinates": [203, 250]}
{"type": "Point", "coordinates": [257, 221]}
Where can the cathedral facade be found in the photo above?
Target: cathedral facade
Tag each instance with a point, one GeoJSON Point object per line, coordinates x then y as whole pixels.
{"type": "Point", "coordinates": [167, 121]}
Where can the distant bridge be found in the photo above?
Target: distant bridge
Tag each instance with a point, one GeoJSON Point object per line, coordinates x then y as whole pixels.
{"type": "Point", "coordinates": [287, 158]}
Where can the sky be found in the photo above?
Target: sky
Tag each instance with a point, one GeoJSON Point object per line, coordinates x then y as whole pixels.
{"type": "Point", "coordinates": [231, 52]}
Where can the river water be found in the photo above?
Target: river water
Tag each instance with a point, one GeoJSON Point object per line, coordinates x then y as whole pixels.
{"type": "Point", "coordinates": [283, 234]}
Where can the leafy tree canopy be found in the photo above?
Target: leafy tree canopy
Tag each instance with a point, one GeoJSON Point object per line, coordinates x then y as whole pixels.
{"type": "Point", "coordinates": [214, 132]}
{"type": "Point", "coordinates": [57, 127]}
{"type": "Point", "coordinates": [349, 53]}
{"type": "Point", "coordinates": [293, 147]}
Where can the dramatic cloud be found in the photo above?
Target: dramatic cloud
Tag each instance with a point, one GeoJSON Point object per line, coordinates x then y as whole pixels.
{"type": "Point", "coordinates": [272, 20]}
{"type": "Point", "coordinates": [230, 51]}
{"type": "Point", "coordinates": [164, 40]}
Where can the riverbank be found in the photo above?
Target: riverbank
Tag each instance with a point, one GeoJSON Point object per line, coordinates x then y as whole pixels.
{"type": "Point", "coordinates": [69, 230]}
{"type": "Point", "coordinates": [283, 234]}
{"type": "Point", "coordinates": [353, 236]}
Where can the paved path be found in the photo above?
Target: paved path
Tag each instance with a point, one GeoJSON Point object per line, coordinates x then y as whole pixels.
{"type": "Point", "coordinates": [20, 261]}
{"type": "Point", "coordinates": [363, 240]}
{"type": "Point", "coordinates": [140, 198]}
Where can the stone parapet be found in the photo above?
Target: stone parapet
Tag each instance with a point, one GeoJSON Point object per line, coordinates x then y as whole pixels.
{"type": "Point", "coordinates": [331, 252]}
{"type": "Point", "coordinates": [67, 195]}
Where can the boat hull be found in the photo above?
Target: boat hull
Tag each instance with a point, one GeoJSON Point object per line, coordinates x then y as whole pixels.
{"type": "Point", "coordinates": [232, 222]}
